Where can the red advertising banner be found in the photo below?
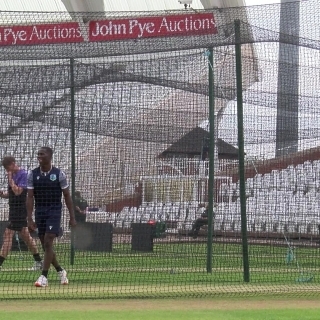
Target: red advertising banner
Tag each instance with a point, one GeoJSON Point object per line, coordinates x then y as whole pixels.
{"type": "Point", "coordinates": [40, 34]}
{"type": "Point", "coordinates": [145, 27]}
{"type": "Point", "coordinates": [108, 30]}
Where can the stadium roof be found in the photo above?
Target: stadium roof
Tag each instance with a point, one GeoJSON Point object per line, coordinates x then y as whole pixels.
{"type": "Point", "coordinates": [110, 5]}
{"type": "Point", "coordinates": [32, 5]}
{"type": "Point", "coordinates": [141, 5]}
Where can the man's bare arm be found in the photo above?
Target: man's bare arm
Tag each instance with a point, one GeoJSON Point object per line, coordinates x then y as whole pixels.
{"type": "Point", "coordinates": [69, 204]}
{"type": "Point", "coordinates": [30, 196]}
{"type": "Point", "coordinates": [16, 189]}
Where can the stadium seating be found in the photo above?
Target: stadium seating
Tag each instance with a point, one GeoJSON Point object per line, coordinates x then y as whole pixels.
{"type": "Point", "coordinates": [280, 201]}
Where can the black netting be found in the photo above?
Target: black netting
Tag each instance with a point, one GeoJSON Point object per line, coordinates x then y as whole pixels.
{"type": "Point", "coordinates": [129, 122]}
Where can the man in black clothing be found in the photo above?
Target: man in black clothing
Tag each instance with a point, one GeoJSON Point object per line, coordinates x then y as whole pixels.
{"type": "Point", "coordinates": [16, 194]}
{"type": "Point", "coordinates": [80, 207]}
{"type": "Point", "coordinates": [198, 223]}
{"type": "Point", "coordinates": [46, 184]}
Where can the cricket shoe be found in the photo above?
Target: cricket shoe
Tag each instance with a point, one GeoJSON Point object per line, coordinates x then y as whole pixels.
{"type": "Point", "coordinates": [41, 282]}
{"type": "Point", "coordinates": [63, 277]}
{"type": "Point", "coordinates": [36, 266]}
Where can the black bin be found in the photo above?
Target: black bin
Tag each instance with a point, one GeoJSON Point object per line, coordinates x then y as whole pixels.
{"type": "Point", "coordinates": [93, 236]}
{"type": "Point", "coordinates": [142, 236]}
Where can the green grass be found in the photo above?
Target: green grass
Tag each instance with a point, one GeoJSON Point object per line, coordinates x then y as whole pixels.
{"type": "Point", "coordinates": [285, 314]}
{"type": "Point", "coordinates": [266, 308]}
{"type": "Point", "coordinates": [178, 265]}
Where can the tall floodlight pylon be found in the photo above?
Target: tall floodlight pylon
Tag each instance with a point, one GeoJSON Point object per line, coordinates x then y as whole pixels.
{"type": "Point", "coordinates": [288, 81]}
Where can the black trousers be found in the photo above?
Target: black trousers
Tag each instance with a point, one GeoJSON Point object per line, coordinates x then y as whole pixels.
{"type": "Point", "coordinates": [198, 224]}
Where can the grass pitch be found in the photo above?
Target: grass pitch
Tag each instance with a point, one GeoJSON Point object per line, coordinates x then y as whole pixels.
{"type": "Point", "coordinates": [171, 270]}
{"type": "Point", "coordinates": [228, 309]}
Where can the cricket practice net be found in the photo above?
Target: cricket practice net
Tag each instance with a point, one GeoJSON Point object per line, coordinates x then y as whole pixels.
{"type": "Point", "coordinates": [153, 116]}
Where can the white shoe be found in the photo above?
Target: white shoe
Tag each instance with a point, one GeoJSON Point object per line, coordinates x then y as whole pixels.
{"type": "Point", "coordinates": [36, 266]}
{"type": "Point", "coordinates": [63, 277]}
{"type": "Point", "coordinates": [41, 282]}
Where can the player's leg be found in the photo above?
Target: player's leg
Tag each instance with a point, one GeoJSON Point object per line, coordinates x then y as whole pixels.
{"type": "Point", "coordinates": [54, 259]}
{"type": "Point", "coordinates": [33, 248]}
{"type": "Point", "coordinates": [47, 235]}
{"type": "Point", "coordinates": [48, 250]}
{"type": "Point", "coordinates": [41, 226]}
{"type": "Point", "coordinates": [54, 223]}
{"type": "Point", "coordinates": [48, 256]}
{"type": "Point", "coordinates": [6, 244]}
{"type": "Point", "coordinates": [30, 242]}
{"type": "Point", "coordinates": [61, 272]}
